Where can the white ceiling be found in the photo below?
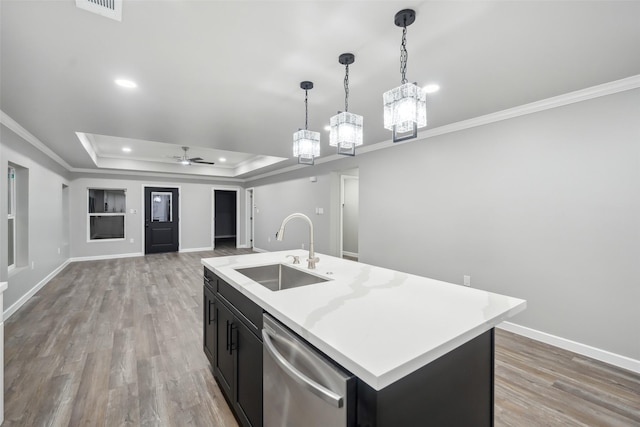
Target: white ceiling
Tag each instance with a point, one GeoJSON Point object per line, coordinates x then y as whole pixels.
{"type": "Point", "coordinates": [224, 75]}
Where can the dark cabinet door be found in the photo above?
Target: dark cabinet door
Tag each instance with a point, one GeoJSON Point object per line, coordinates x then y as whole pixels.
{"type": "Point", "coordinates": [209, 320]}
{"type": "Point", "coordinates": [248, 392]}
{"type": "Point", "coordinates": [235, 350]}
{"type": "Point", "coordinates": [224, 354]}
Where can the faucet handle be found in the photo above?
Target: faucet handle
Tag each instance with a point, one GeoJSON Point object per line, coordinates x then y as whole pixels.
{"type": "Point", "coordinates": [296, 258]}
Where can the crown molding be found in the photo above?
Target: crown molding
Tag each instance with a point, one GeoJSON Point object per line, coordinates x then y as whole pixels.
{"type": "Point", "coordinates": [605, 89]}
{"type": "Point", "coordinates": [27, 136]}
{"type": "Point", "coordinates": [581, 95]}
{"type": "Point", "coordinates": [155, 174]}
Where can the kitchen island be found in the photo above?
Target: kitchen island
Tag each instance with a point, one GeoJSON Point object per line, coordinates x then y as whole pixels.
{"type": "Point", "coordinates": [394, 331]}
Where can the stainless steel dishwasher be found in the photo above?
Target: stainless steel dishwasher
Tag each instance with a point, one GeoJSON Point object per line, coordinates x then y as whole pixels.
{"type": "Point", "coordinates": [301, 387]}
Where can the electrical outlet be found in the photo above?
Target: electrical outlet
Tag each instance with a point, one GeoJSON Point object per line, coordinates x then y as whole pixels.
{"type": "Point", "coordinates": [269, 239]}
{"type": "Point", "coordinates": [33, 265]}
{"type": "Point", "coordinates": [58, 251]}
{"type": "Point", "coordinates": [303, 246]}
{"type": "Point", "coordinates": [131, 240]}
{"type": "Point", "coordinates": [467, 280]}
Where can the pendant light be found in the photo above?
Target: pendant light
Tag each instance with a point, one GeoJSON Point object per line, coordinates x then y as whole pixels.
{"type": "Point", "coordinates": [345, 127]}
{"type": "Point", "coordinates": [405, 107]}
{"type": "Point", "coordinates": [306, 143]}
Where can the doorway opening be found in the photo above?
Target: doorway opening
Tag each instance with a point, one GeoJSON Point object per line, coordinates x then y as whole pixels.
{"type": "Point", "coordinates": [225, 218]}
{"type": "Point", "coordinates": [250, 206]}
{"type": "Point", "coordinates": [349, 206]}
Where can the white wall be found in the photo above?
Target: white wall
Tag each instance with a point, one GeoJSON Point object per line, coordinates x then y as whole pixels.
{"type": "Point", "coordinates": [544, 207]}
{"type": "Point", "coordinates": [195, 214]}
{"type": "Point", "coordinates": [45, 217]}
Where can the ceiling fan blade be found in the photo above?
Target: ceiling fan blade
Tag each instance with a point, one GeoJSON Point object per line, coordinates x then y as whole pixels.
{"type": "Point", "coordinates": [202, 162]}
{"type": "Point", "coordinates": [195, 159]}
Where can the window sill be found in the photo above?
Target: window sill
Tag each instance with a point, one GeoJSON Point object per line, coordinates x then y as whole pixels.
{"type": "Point", "coordinates": [106, 240]}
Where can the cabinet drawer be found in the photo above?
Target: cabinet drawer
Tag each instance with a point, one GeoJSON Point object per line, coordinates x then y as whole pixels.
{"type": "Point", "coordinates": [250, 310]}
{"type": "Point", "coordinates": [210, 280]}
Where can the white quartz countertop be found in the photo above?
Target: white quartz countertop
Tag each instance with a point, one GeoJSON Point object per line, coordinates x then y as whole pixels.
{"type": "Point", "coordinates": [380, 324]}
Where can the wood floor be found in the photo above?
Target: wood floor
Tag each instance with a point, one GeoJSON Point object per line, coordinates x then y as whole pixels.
{"type": "Point", "coordinates": [119, 343]}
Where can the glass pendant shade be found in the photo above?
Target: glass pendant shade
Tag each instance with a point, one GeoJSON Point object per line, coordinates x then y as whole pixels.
{"type": "Point", "coordinates": [405, 109]}
{"type": "Point", "coordinates": [306, 146]}
{"type": "Point", "coordinates": [346, 131]}
{"type": "Point", "coordinates": [306, 143]}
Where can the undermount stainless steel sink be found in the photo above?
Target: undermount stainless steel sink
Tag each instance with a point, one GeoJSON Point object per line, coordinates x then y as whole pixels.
{"type": "Point", "coordinates": [278, 277]}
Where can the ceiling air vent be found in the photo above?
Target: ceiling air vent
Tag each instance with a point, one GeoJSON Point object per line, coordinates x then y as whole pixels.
{"type": "Point", "coordinates": [108, 8]}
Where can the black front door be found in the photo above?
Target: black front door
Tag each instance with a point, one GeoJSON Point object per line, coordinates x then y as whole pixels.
{"type": "Point", "coordinates": [161, 219]}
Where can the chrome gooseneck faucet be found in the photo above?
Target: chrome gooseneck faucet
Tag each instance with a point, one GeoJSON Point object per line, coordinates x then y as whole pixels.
{"type": "Point", "coordinates": [280, 235]}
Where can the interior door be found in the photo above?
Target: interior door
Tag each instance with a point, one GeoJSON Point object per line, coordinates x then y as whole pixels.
{"type": "Point", "coordinates": [161, 219]}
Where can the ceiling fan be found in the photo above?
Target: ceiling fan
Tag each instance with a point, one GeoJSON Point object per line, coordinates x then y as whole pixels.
{"type": "Point", "coordinates": [185, 160]}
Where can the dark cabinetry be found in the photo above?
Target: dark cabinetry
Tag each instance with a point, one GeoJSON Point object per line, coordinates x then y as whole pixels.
{"type": "Point", "coordinates": [209, 332]}
{"type": "Point", "coordinates": [453, 390]}
{"type": "Point", "coordinates": [232, 325]}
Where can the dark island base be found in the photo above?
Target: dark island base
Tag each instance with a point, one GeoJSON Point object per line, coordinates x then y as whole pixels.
{"type": "Point", "coordinates": [454, 390]}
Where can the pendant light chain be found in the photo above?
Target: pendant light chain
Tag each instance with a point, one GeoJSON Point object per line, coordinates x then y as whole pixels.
{"type": "Point", "coordinates": [405, 107]}
{"type": "Point", "coordinates": [306, 109]}
{"type": "Point", "coordinates": [404, 55]}
{"type": "Point", "coordinates": [346, 88]}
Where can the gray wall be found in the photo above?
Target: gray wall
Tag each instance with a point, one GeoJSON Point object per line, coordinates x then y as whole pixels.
{"type": "Point", "coordinates": [195, 210]}
{"type": "Point", "coordinates": [45, 221]}
{"type": "Point", "coordinates": [274, 202]}
{"type": "Point", "coordinates": [544, 207]}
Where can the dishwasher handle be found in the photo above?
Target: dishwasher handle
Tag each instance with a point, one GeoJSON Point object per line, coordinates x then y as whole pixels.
{"type": "Point", "coordinates": [317, 389]}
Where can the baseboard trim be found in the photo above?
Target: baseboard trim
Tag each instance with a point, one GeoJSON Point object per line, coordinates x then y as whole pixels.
{"type": "Point", "coordinates": [351, 254]}
{"type": "Point", "coordinates": [576, 347]}
{"type": "Point", "coordinates": [103, 257]}
{"type": "Point", "coordinates": [242, 247]}
{"type": "Point", "coordinates": [208, 248]}
{"type": "Point", "coordinates": [259, 250]}
{"type": "Point", "coordinates": [24, 298]}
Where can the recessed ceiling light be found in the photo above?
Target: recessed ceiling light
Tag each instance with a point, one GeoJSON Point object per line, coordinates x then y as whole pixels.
{"type": "Point", "coordinates": [126, 149]}
{"type": "Point", "coordinates": [222, 159]}
{"type": "Point", "coordinates": [431, 88]}
{"type": "Point", "coordinates": [327, 128]}
{"type": "Point", "coordinates": [126, 83]}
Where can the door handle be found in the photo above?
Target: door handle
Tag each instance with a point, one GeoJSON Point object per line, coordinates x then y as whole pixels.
{"type": "Point", "coordinates": [227, 335]}
{"type": "Point", "coordinates": [232, 329]}
{"type": "Point", "coordinates": [214, 316]}
{"type": "Point", "coordinates": [315, 388]}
